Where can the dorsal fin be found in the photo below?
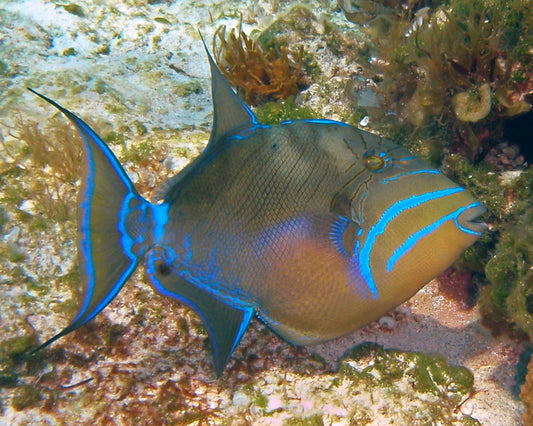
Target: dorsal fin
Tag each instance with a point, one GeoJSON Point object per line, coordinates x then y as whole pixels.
{"type": "Point", "coordinates": [229, 112]}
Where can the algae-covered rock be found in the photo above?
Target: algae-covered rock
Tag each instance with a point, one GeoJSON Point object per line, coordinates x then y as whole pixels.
{"type": "Point", "coordinates": [509, 297]}
{"type": "Point", "coordinates": [373, 386]}
{"type": "Point", "coordinates": [372, 365]}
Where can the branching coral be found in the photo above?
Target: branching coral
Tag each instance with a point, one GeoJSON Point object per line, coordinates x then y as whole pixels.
{"type": "Point", "coordinates": [257, 76]}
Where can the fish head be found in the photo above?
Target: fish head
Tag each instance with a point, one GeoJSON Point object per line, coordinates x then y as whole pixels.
{"type": "Point", "coordinates": [414, 220]}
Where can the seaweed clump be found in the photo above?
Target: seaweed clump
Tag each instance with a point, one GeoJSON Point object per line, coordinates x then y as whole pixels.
{"type": "Point", "coordinates": [258, 77]}
{"type": "Point", "coordinates": [465, 66]}
{"type": "Point", "coordinates": [508, 299]}
{"type": "Point", "coordinates": [39, 173]}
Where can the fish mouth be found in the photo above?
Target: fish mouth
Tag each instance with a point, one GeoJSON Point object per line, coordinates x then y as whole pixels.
{"type": "Point", "coordinates": [468, 219]}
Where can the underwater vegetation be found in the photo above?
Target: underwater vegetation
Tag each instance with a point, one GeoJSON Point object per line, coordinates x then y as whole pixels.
{"type": "Point", "coordinates": [38, 174]}
{"type": "Point", "coordinates": [465, 66]}
{"type": "Point", "coordinates": [373, 386]}
{"type": "Point", "coordinates": [257, 76]}
{"type": "Point", "coordinates": [508, 299]}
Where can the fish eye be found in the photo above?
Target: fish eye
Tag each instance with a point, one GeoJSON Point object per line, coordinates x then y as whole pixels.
{"type": "Point", "coordinates": [375, 162]}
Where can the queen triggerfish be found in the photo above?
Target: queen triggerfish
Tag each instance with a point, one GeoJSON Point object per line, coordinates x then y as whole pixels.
{"type": "Point", "coordinates": [314, 226]}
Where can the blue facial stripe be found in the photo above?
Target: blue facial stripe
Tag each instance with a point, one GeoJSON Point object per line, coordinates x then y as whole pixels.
{"type": "Point", "coordinates": [414, 172]}
{"type": "Point", "coordinates": [379, 228]}
{"type": "Point", "coordinates": [466, 230]}
{"type": "Point", "coordinates": [411, 241]}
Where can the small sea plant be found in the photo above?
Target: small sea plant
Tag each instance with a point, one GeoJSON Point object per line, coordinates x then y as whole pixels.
{"type": "Point", "coordinates": [41, 169]}
{"type": "Point", "coordinates": [259, 77]}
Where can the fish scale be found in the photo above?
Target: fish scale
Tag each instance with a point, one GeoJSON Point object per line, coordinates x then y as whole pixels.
{"type": "Point", "coordinates": [314, 226]}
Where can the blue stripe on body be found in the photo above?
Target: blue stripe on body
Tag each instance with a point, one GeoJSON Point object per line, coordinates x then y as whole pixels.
{"type": "Point", "coordinates": [126, 240]}
{"type": "Point", "coordinates": [410, 242]}
{"type": "Point", "coordinates": [248, 132]}
{"type": "Point", "coordinates": [316, 120]}
{"type": "Point", "coordinates": [379, 228]}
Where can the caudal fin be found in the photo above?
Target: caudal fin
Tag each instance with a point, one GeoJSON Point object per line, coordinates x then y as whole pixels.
{"type": "Point", "coordinates": [104, 249]}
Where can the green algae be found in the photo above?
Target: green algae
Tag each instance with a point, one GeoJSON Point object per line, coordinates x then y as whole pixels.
{"type": "Point", "coordinates": [187, 88]}
{"type": "Point", "coordinates": [408, 385]}
{"type": "Point", "coordinates": [17, 346]}
{"type": "Point", "coordinates": [315, 420]}
{"type": "Point", "coordinates": [507, 299]}
{"type": "Point", "coordinates": [276, 112]}
{"type": "Point", "coordinates": [69, 52]}
{"type": "Point", "coordinates": [427, 373]}
{"type": "Point", "coordinates": [463, 66]}
{"type": "Point", "coordinates": [74, 9]}
{"type": "Point", "coordinates": [370, 366]}
{"type": "Point", "coordinates": [25, 397]}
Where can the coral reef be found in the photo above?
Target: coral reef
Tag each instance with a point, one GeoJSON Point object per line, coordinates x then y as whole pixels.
{"type": "Point", "coordinates": [257, 76]}
{"type": "Point", "coordinates": [464, 65]}
{"type": "Point", "coordinates": [143, 359]}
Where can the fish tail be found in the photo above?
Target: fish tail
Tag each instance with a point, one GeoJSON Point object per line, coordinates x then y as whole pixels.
{"type": "Point", "coordinates": [104, 249]}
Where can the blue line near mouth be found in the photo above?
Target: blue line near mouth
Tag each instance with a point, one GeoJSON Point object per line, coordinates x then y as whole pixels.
{"type": "Point", "coordinates": [379, 228]}
{"type": "Point", "coordinates": [410, 242]}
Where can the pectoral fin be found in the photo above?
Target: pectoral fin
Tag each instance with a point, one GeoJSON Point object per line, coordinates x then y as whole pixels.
{"type": "Point", "coordinates": [225, 324]}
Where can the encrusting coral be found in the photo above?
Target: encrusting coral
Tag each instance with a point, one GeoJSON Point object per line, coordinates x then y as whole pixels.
{"type": "Point", "coordinates": [258, 77]}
